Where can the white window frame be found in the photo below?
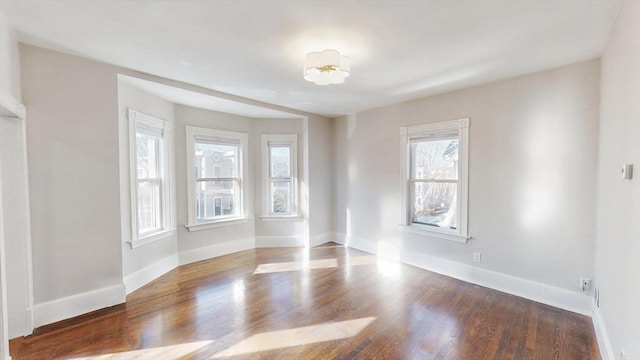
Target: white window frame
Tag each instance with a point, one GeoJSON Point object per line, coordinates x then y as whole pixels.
{"type": "Point", "coordinates": [140, 122]}
{"type": "Point", "coordinates": [207, 134]}
{"type": "Point", "coordinates": [454, 128]}
{"type": "Point", "coordinates": [290, 140]}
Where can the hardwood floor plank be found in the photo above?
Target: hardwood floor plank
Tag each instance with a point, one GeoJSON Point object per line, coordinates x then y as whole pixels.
{"type": "Point", "coordinates": [222, 306]}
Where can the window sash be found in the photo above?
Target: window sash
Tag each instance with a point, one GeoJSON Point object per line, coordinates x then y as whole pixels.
{"type": "Point", "coordinates": [274, 204]}
{"type": "Point", "coordinates": [157, 207]}
{"type": "Point", "coordinates": [219, 201]}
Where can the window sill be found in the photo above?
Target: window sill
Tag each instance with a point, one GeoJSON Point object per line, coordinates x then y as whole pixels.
{"type": "Point", "coordinates": [289, 218]}
{"type": "Point", "coordinates": [216, 224]}
{"type": "Point", "coordinates": [435, 233]}
{"type": "Point", "coordinates": [147, 239]}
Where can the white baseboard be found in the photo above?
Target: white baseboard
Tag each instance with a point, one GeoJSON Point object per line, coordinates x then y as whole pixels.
{"type": "Point", "coordinates": [320, 239]}
{"type": "Point", "coordinates": [340, 238]}
{"type": "Point", "coordinates": [149, 273]}
{"type": "Point", "coordinates": [68, 307]}
{"type": "Point", "coordinates": [528, 289]}
{"type": "Point", "coordinates": [211, 251]}
{"type": "Point", "coordinates": [606, 351]}
{"type": "Point", "coordinates": [278, 241]}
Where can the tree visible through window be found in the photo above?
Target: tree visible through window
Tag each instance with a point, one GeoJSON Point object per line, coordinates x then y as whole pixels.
{"type": "Point", "coordinates": [434, 182]}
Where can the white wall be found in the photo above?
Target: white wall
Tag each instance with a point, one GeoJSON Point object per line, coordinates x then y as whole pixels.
{"type": "Point", "coordinates": [133, 260]}
{"type": "Point", "coordinates": [321, 173]}
{"type": "Point", "coordinates": [9, 61]}
{"type": "Point", "coordinates": [618, 215]}
{"type": "Point", "coordinates": [191, 240]}
{"type": "Point", "coordinates": [533, 143]}
{"type": "Point", "coordinates": [72, 133]}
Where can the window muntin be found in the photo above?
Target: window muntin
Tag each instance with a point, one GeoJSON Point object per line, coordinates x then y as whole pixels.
{"type": "Point", "coordinates": [435, 179]}
{"type": "Point", "coordinates": [279, 175]}
{"type": "Point", "coordinates": [215, 181]}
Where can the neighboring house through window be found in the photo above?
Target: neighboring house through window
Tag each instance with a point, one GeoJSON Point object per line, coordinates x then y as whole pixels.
{"type": "Point", "coordinates": [150, 168]}
{"type": "Point", "coordinates": [435, 178]}
{"type": "Point", "coordinates": [216, 186]}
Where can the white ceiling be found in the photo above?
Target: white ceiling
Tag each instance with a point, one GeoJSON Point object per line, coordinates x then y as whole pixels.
{"type": "Point", "coordinates": [400, 50]}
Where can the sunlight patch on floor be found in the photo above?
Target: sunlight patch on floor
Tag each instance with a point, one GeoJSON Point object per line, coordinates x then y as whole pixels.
{"type": "Point", "coordinates": [298, 336]}
{"type": "Point", "coordinates": [296, 266]}
{"type": "Point", "coordinates": [164, 352]}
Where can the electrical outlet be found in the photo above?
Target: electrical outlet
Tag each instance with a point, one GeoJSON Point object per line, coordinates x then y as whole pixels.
{"type": "Point", "coordinates": [477, 257]}
{"type": "Point", "coordinates": [585, 284]}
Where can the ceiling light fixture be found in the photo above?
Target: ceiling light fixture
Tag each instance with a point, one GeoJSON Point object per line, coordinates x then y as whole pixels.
{"type": "Point", "coordinates": [327, 67]}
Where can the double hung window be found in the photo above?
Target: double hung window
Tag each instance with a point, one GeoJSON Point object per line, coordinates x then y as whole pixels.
{"type": "Point", "coordinates": [150, 177]}
{"type": "Point", "coordinates": [216, 182]}
{"type": "Point", "coordinates": [279, 167]}
{"type": "Point", "coordinates": [435, 178]}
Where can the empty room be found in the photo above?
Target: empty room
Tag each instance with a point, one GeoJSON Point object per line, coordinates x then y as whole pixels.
{"type": "Point", "coordinates": [356, 179]}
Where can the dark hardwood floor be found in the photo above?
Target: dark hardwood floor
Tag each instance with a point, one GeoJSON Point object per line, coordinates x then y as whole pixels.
{"type": "Point", "coordinates": [325, 303]}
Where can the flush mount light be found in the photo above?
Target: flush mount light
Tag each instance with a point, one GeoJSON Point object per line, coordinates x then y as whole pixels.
{"type": "Point", "coordinates": [327, 67]}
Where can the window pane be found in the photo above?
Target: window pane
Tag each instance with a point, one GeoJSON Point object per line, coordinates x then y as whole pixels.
{"type": "Point", "coordinates": [435, 204]}
{"type": "Point", "coordinates": [215, 160]}
{"type": "Point", "coordinates": [280, 197]}
{"type": "Point", "coordinates": [148, 206]}
{"type": "Point", "coordinates": [280, 157]}
{"type": "Point", "coordinates": [435, 159]}
{"type": "Point", "coordinates": [147, 155]}
{"type": "Point", "coordinates": [216, 198]}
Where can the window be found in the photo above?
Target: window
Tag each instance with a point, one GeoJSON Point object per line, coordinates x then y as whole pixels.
{"type": "Point", "coordinates": [435, 179]}
{"type": "Point", "coordinates": [215, 180]}
{"type": "Point", "coordinates": [279, 173]}
{"type": "Point", "coordinates": [150, 143]}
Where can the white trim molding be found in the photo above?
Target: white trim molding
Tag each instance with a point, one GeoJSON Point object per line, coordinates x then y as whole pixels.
{"type": "Point", "coordinates": [149, 273]}
{"type": "Point", "coordinates": [11, 107]}
{"type": "Point", "coordinates": [604, 343]}
{"type": "Point", "coordinates": [215, 250]}
{"type": "Point", "coordinates": [558, 297]}
{"type": "Point", "coordinates": [78, 304]}
{"type": "Point", "coordinates": [319, 239]}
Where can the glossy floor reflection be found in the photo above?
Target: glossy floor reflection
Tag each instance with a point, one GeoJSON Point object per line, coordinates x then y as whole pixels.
{"type": "Point", "coordinates": [322, 303]}
{"type": "Point", "coordinates": [297, 336]}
